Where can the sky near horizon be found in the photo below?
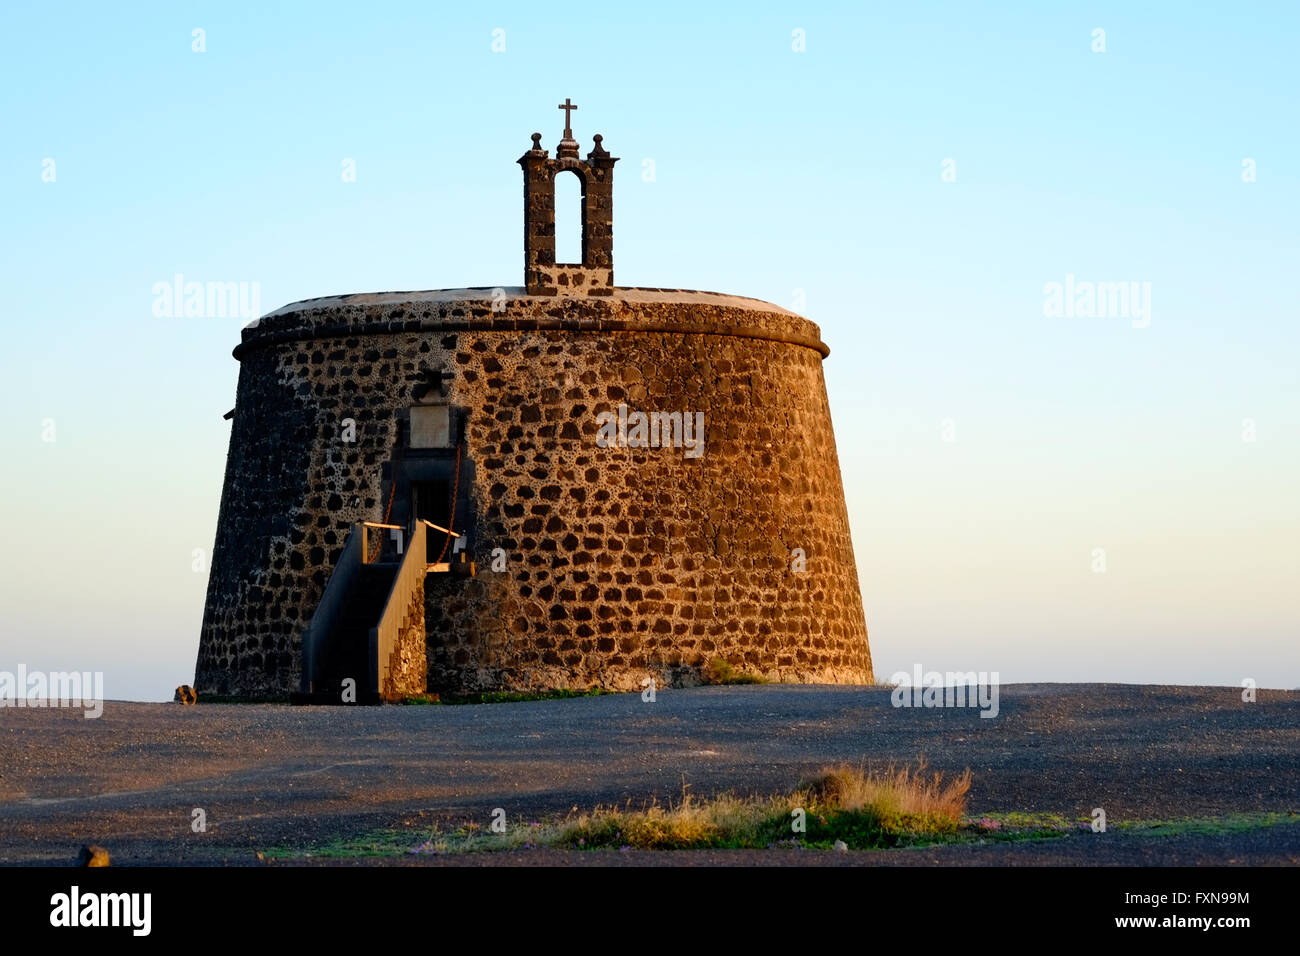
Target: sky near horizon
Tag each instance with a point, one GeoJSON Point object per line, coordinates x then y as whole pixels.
{"type": "Point", "coordinates": [1048, 494]}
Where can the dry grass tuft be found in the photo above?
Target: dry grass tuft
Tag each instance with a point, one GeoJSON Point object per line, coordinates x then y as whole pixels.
{"type": "Point", "coordinates": [723, 821]}
{"type": "Point", "coordinates": [864, 809]}
{"type": "Point", "coordinates": [902, 799]}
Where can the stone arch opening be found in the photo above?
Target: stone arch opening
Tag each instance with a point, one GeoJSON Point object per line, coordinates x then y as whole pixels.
{"type": "Point", "coordinates": [570, 218]}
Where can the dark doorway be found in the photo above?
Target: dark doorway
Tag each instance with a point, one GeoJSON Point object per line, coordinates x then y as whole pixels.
{"type": "Point", "coordinates": [431, 501]}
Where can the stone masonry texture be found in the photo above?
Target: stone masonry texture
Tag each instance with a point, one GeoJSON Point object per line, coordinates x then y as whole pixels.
{"type": "Point", "coordinates": [616, 564]}
{"type": "Point", "coordinates": [408, 663]}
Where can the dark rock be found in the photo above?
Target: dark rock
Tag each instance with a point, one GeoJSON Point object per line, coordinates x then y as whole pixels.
{"type": "Point", "coordinates": [92, 855]}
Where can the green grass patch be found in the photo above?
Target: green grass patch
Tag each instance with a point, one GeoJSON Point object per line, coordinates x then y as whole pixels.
{"type": "Point", "coordinates": [376, 843]}
{"type": "Point", "coordinates": [430, 699]}
{"type": "Point", "coordinates": [510, 698]}
{"type": "Point", "coordinates": [719, 671]}
{"type": "Point", "coordinates": [862, 810]}
{"type": "Point", "coordinates": [1034, 826]}
{"type": "Point", "coordinates": [728, 823]}
{"type": "Point", "coordinates": [1205, 826]}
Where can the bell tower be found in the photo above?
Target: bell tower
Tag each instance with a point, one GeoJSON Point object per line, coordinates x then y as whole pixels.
{"type": "Point", "coordinates": [542, 274]}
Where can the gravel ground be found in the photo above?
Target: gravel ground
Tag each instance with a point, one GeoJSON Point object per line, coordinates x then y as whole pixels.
{"type": "Point", "coordinates": [277, 775]}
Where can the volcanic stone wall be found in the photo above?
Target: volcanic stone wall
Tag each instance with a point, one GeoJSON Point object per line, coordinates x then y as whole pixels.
{"type": "Point", "coordinates": [598, 566]}
{"type": "Point", "coordinates": [408, 666]}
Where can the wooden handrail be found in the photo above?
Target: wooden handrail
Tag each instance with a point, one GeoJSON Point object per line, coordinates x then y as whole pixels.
{"type": "Point", "coordinates": [376, 524]}
{"type": "Point", "coordinates": [436, 527]}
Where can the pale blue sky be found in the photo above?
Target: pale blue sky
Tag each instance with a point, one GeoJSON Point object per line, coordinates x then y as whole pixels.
{"type": "Point", "coordinates": [775, 171]}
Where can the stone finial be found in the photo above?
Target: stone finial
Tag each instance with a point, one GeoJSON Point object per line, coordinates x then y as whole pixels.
{"type": "Point", "coordinates": [597, 150]}
{"type": "Point", "coordinates": [537, 143]}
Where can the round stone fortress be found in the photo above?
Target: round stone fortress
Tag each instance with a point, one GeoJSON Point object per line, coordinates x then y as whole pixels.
{"type": "Point", "coordinates": [609, 484]}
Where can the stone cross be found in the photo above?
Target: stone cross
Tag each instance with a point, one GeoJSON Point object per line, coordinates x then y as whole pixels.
{"type": "Point", "coordinates": [567, 106]}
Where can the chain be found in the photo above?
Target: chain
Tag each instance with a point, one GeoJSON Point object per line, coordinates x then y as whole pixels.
{"type": "Point", "coordinates": [451, 519]}
{"type": "Point", "coordinates": [379, 540]}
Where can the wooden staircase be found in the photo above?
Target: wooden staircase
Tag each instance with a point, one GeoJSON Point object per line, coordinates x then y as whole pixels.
{"type": "Point", "coordinates": [369, 626]}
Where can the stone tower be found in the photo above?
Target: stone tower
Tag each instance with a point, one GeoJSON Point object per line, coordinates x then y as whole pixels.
{"type": "Point", "coordinates": [564, 485]}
